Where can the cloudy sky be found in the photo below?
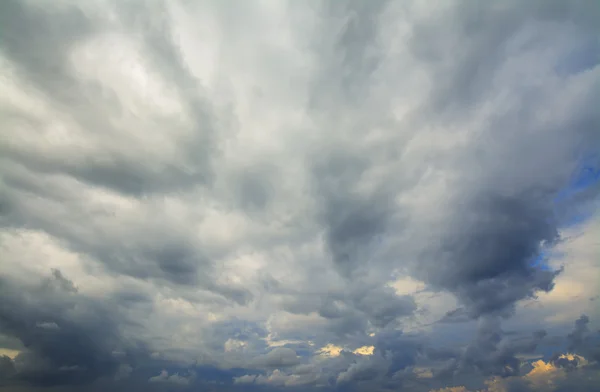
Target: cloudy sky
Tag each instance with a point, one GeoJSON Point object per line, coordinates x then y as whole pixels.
{"type": "Point", "coordinates": [342, 195]}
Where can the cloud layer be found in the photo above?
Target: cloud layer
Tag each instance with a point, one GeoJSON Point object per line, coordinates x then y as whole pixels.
{"type": "Point", "coordinates": [340, 195]}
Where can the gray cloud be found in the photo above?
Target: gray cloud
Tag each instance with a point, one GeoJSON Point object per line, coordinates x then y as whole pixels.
{"type": "Point", "coordinates": [494, 354]}
{"type": "Point", "coordinates": [582, 340]}
{"type": "Point", "coordinates": [280, 357]}
{"type": "Point", "coordinates": [75, 347]}
{"type": "Point", "coordinates": [579, 333]}
{"type": "Point", "coordinates": [43, 59]}
{"type": "Point", "coordinates": [485, 260]}
{"type": "Point", "coordinates": [233, 187]}
{"type": "Point", "coordinates": [176, 378]}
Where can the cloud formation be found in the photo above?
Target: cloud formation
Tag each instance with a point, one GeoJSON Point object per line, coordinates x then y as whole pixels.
{"type": "Point", "coordinates": [343, 195]}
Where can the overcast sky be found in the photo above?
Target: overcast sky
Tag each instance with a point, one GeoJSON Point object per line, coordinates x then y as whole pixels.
{"type": "Point", "coordinates": [343, 195]}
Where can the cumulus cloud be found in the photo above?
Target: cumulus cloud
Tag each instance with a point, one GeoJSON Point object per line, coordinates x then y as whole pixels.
{"type": "Point", "coordinates": [335, 194]}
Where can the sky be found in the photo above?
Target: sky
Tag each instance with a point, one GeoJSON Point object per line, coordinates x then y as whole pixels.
{"type": "Point", "coordinates": [343, 195]}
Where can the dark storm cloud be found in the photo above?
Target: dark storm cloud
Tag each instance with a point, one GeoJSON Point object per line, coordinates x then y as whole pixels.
{"type": "Point", "coordinates": [561, 372]}
{"type": "Point", "coordinates": [580, 331]}
{"type": "Point", "coordinates": [7, 368]}
{"type": "Point", "coordinates": [362, 370]}
{"type": "Point", "coordinates": [486, 259]}
{"type": "Point", "coordinates": [499, 220]}
{"type": "Point", "coordinates": [253, 236]}
{"type": "Point", "coordinates": [67, 338]}
{"type": "Point", "coordinates": [383, 306]}
{"type": "Point", "coordinates": [494, 354]}
{"type": "Point", "coordinates": [401, 350]}
{"type": "Point", "coordinates": [583, 341]}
